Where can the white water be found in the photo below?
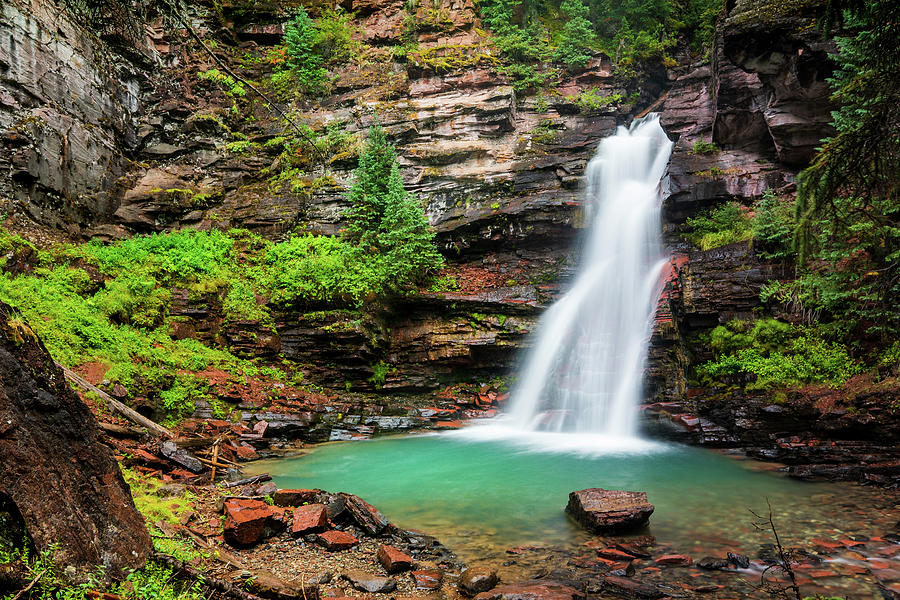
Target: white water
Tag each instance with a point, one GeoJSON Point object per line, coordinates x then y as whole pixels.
{"type": "Point", "coordinates": [585, 371]}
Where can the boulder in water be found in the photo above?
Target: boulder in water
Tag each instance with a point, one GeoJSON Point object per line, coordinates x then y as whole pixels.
{"type": "Point", "coordinates": [609, 511]}
{"type": "Point", "coordinates": [476, 580]}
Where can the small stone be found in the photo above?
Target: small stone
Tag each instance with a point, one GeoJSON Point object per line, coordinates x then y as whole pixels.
{"type": "Point", "coordinates": [366, 582]}
{"type": "Point", "coordinates": [393, 560]}
{"type": "Point", "coordinates": [308, 519]}
{"type": "Point", "coordinates": [427, 579]}
{"type": "Point", "coordinates": [711, 563]}
{"type": "Point", "coordinates": [337, 540]}
{"type": "Point", "coordinates": [475, 580]}
{"type": "Point", "coordinates": [266, 489]}
{"type": "Point", "coordinates": [739, 560]}
{"type": "Point", "coordinates": [171, 489]}
{"type": "Point", "coordinates": [674, 560]}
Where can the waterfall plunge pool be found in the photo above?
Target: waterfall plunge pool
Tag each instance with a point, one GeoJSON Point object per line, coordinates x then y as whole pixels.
{"type": "Point", "coordinates": [482, 496]}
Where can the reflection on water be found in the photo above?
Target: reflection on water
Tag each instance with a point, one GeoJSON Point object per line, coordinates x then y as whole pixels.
{"type": "Point", "coordinates": [487, 496]}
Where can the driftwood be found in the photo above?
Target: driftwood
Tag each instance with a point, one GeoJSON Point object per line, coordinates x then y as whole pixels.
{"type": "Point", "coordinates": [198, 442]}
{"type": "Point", "coordinates": [130, 414]}
{"type": "Point", "coordinates": [220, 585]}
{"type": "Point", "coordinates": [121, 430]}
{"type": "Point", "coordinates": [249, 480]}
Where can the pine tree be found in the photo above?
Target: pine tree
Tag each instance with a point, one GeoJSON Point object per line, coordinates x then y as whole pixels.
{"type": "Point", "coordinates": [386, 220]}
{"type": "Point", "coordinates": [577, 35]}
{"type": "Point", "coordinates": [300, 38]}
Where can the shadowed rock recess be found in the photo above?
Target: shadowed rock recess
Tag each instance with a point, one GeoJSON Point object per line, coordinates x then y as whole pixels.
{"type": "Point", "coordinates": [54, 466]}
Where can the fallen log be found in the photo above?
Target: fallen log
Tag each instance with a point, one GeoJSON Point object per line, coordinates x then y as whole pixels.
{"type": "Point", "coordinates": [121, 430]}
{"type": "Point", "coordinates": [220, 585]}
{"type": "Point", "coordinates": [249, 480]}
{"type": "Point", "coordinates": [128, 413]}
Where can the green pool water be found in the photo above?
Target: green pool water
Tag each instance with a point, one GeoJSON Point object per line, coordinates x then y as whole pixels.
{"type": "Point", "coordinates": [486, 496]}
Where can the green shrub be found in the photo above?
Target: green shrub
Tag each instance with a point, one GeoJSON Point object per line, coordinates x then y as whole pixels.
{"type": "Point", "coordinates": [334, 37]}
{"type": "Point", "coordinates": [778, 354]}
{"type": "Point", "coordinates": [701, 147]}
{"type": "Point", "coordinates": [577, 35]}
{"type": "Point", "coordinates": [726, 224]}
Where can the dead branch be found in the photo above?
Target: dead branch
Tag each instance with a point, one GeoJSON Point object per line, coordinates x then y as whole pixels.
{"type": "Point", "coordinates": [125, 411]}
{"type": "Point", "coordinates": [784, 557]}
{"type": "Point", "coordinates": [29, 586]}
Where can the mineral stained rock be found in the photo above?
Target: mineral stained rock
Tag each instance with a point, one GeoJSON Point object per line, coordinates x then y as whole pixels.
{"type": "Point", "coordinates": [55, 468]}
{"type": "Point", "coordinates": [609, 511]}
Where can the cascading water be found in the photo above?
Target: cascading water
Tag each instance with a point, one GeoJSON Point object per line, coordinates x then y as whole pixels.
{"type": "Point", "coordinates": [584, 373]}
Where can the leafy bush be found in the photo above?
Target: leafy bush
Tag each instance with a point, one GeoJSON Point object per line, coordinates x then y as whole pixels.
{"type": "Point", "coordinates": [334, 38]}
{"type": "Point", "coordinates": [726, 224]}
{"type": "Point", "coordinates": [778, 354]}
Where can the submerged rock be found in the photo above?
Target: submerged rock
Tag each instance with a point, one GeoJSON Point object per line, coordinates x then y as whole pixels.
{"type": "Point", "coordinates": [609, 511]}
{"type": "Point", "coordinates": [476, 580]}
{"type": "Point", "coordinates": [532, 590]}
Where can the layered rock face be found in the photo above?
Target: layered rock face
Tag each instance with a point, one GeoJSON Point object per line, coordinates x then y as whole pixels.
{"type": "Point", "coordinates": [499, 173]}
{"type": "Point", "coordinates": [54, 467]}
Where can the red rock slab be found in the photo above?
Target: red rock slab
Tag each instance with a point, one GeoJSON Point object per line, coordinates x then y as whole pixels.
{"type": "Point", "coordinates": [393, 560]}
{"type": "Point", "coordinates": [309, 518]}
{"type": "Point", "coordinates": [609, 511]}
{"type": "Point", "coordinates": [674, 560]}
{"type": "Point", "coordinates": [613, 554]}
{"type": "Point", "coordinates": [532, 590]}
{"type": "Point", "coordinates": [246, 452]}
{"type": "Point", "coordinates": [295, 497]}
{"type": "Point", "coordinates": [366, 516]}
{"type": "Point", "coordinates": [427, 579]}
{"type": "Point", "coordinates": [248, 521]}
{"type": "Point", "coordinates": [337, 540]}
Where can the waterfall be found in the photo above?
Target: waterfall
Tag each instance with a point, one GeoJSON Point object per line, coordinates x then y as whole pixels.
{"type": "Point", "coordinates": [584, 373]}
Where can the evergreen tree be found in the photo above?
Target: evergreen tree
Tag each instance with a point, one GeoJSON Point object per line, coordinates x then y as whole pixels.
{"type": "Point", "coordinates": [386, 220]}
{"type": "Point", "coordinates": [577, 35]}
{"type": "Point", "coordinates": [300, 39]}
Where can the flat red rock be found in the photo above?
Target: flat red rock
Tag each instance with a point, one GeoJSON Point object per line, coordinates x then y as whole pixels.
{"type": "Point", "coordinates": [337, 540]}
{"type": "Point", "coordinates": [309, 518]}
{"type": "Point", "coordinates": [609, 511]}
{"type": "Point", "coordinates": [427, 579]}
{"type": "Point", "coordinates": [248, 521]}
{"type": "Point", "coordinates": [393, 560]}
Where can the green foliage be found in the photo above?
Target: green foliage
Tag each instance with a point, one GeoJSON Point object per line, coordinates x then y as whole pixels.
{"type": "Point", "coordinates": [701, 147]}
{"type": "Point", "coordinates": [725, 224]}
{"type": "Point", "coordinates": [179, 400]}
{"type": "Point", "coordinates": [778, 354]}
{"type": "Point", "coordinates": [773, 226]}
{"type": "Point", "coordinates": [334, 37]}
{"type": "Point", "coordinates": [302, 57]}
{"type": "Point", "coordinates": [380, 372]}
{"type": "Point", "coordinates": [592, 99]}
{"type": "Point", "coordinates": [577, 35]}
{"type": "Point", "coordinates": [229, 84]}
{"type": "Point", "coordinates": [848, 200]}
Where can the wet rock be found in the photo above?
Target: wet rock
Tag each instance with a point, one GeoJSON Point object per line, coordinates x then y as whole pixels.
{"type": "Point", "coordinates": [367, 516]}
{"type": "Point", "coordinates": [54, 467]}
{"type": "Point", "coordinates": [181, 457]}
{"type": "Point", "coordinates": [739, 560]}
{"type": "Point", "coordinates": [674, 560]}
{"type": "Point", "coordinates": [171, 489]}
{"type": "Point", "coordinates": [711, 563]}
{"type": "Point", "coordinates": [631, 588]}
{"type": "Point", "coordinates": [319, 578]}
{"type": "Point", "coordinates": [532, 590]}
{"type": "Point", "coordinates": [337, 540]}
{"type": "Point", "coordinates": [614, 554]}
{"type": "Point", "coordinates": [266, 489]}
{"type": "Point", "coordinates": [366, 582]}
{"type": "Point", "coordinates": [269, 585]}
{"type": "Point", "coordinates": [609, 511]}
{"type": "Point", "coordinates": [248, 521]}
{"type": "Point", "coordinates": [308, 519]}
{"type": "Point", "coordinates": [475, 580]}
{"type": "Point", "coordinates": [393, 560]}
{"type": "Point", "coordinates": [295, 497]}
{"type": "Point", "coordinates": [427, 579]}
